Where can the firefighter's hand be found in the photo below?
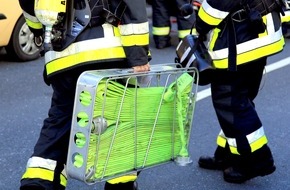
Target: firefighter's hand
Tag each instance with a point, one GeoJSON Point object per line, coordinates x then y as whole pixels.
{"type": "Point", "coordinates": [79, 4]}
{"type": "Point", "coordinates": [142, 68]}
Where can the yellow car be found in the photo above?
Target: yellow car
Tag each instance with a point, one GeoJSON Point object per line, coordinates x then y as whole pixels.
{"type": "Point", "coordinates": [15, 35]}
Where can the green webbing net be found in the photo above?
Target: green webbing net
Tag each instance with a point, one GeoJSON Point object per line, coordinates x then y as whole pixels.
{"type": "Point", "coordinates": [146, 126]}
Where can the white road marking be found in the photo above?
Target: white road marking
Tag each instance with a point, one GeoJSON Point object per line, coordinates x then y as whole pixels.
{"type": "Point", "coordinates": [269, 68]}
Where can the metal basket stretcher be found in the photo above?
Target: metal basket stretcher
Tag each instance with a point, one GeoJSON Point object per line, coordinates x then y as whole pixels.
{"type": "Point", "coordinates": [125, 122]}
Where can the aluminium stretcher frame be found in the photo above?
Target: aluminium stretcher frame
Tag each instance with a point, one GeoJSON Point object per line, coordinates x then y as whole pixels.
{"type": "Point", "coordinates": [124, 122]}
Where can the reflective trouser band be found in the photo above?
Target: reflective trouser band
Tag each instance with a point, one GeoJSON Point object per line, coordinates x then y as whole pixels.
{"type": "Point", "coordinates": [44, 174]}
{"type": "Point", "coordinates": [160, 31]}
{"type": "Point", "coordinates": [221, 141]}
{"type": "Point", "coordinates": [87, 56]}
{"type": "Point", "coordinates": [39, 173]}
{"type": "Point", "coordinates": [123, 179]}
{"type": "Point", "coordinates": [183, 33]}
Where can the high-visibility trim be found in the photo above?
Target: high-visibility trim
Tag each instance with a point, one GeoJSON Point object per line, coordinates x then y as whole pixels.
{"type": "Point", "coordinates": [251, 50]}
{"type": "Point", "coordinates": [129, 29]}
{"type": "Point", "coordinates": [211, 15]}
{"type": "Point", "coordinates": [161, 31]}
{"type": "Point", "coordinates": [286, 17]}
{"type": "Point", "coordinates": [183, 33]}
{"type": "Point", "coordinates": [87, 56]}
{"type": "Point", "coordinates": [253, 54]}
{"type": "Point", "coordinates": [139, 40]}
{"type": "Point", "coordinates": [30, 17]}
{"type": "Point", "coordinates": [214, 35]}
{"type": "Point", "coordinates": [63, 180]}
{"type": "Point", "coordinates": [38, 173]}
{"type": "Point", "coordinates": [221, 140]}
{"type": "Point", "coordinates": [34, 25]}
{"type": "Point", "coordinates": [32, 21]}
{"type": "Point", "coordinates": [35, 162]}
{"type": "Point", "coordinates": [88, 45]}
{"type": "Point", "coordinates": [123, 179]}
{"type": "Point", "coordinates": [256, 140]}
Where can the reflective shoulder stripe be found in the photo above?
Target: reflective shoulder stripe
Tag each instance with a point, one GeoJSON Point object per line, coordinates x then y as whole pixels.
{"type": "Point", "coordinates": [123, 179]}
{"type": "Point", "coordinates": [35, 162]}
{"type": "Point", "coordinates": [211, 15]}
{"type": "Point", "coordinates": [129, 29]}
{"type": "Point", "coordinates": [132, 40]}
{"type": "Point", "coordinates": [160, 31]}
{"type": "Point", "coordinates": [40, 173]}
{"type": "Point", "coordinates": [86, 56]}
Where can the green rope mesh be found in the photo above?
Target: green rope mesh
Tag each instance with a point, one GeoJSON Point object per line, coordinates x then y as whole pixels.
{"type": "Point", "coordinates": [146, 126]}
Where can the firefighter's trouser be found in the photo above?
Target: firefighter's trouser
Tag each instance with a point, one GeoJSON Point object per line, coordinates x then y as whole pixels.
{"type": "Point", "coordinates": [45, 168]}
{"type": "Point", "coordinates": [162, 10]}
{"type": "Point", "coordinates": [233, 94]}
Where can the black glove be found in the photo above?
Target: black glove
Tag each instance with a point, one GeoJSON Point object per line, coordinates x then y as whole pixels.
{"type": "Point", "coordinates": [79, 4]}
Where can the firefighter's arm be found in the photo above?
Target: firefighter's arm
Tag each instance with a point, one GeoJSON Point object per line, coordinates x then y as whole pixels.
{"type": "Point", "coordinates": [28, 12]}
{"type": "Point", "coordinates": [212, 13]}
{"type": "Point", "coordinates": [134, 30]}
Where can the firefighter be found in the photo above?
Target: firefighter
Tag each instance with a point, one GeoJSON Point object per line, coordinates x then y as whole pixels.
{"type": "Point", "coordinates": [240, 36]}
{"type": "Point", "coordinates": [100, 45]}
{"type": "Point", "coordinates": [162, 10]}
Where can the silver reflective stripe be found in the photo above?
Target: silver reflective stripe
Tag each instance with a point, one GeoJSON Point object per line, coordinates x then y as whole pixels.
{"type": "Point", "coordinates": [213, 12]}
{"type": "Point", "coordinates": [129, 29]}
{"type": "Point", "coordinates": [64, 173]}
{"type": "Point", "coordinates": [30, 17]}
{"type": "Point", "coordinates": [38, 162]}
{"type": "Point", "coordinates": [254, 136]}
{"type": "Point", "coordinates": [88, 45]}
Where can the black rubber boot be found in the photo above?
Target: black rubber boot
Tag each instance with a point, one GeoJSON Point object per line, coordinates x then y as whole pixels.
{"type": "Point", "coordinates": [258, 163]}
{"type": "Point", "coordinates": [220, 161]}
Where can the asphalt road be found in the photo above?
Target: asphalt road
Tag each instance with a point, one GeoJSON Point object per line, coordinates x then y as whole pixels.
{"type": "Point", "coordinates": [25, 100]}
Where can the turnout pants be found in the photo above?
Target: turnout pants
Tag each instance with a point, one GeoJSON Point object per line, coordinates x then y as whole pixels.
{"type": "Point", "coordinates": [242, 137]}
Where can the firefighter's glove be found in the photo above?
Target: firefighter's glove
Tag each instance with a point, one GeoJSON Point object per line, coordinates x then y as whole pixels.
{"type": "Point", "coordinates": [79, 4]}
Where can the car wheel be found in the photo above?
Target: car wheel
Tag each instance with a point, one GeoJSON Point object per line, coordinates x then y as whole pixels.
{"type": "Point", "coordinates": [21, 43]}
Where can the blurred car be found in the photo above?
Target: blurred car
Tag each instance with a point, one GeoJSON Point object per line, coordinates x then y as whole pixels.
{"type": "Point", "coordinates": [15, 35]}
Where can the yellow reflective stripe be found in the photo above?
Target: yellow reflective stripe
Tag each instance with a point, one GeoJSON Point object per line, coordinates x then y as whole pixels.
{"type": "Point", "coordinates": [39, 173]}
{"type": "Point", "coordinates": [285, 18]}
{"type": "Point", "coordinates": [116, 32]}
{"type": "Point", "coordinates": [86, 56]}
{"type": "Point", "coordinates": [123, 179]}
{"type": "Point", "coordinates": [258, 143]}
{"type": "Point", "coordinates": [139, 40]}
{"type": "Point", "coordinates": [208, 18]}
{"type": "Point", "coordinates": [234, 150]}
{"type": "Point", "coordinates": [161, 31]}
{"type": "Point", "coordinates": [214, 34]}
{"type": "Point", "coordinates": [35, 25]}
{"type": "Point", "coordinates": [221, 141]}
{"type": "Point", "coordinates": [63, 180]}
{"type": "Point", "coordinates": [183, 33]}
{"type": "Point", "coordinates": [211, 15]}
{"type": "Point", "coordinates": [253, 54]}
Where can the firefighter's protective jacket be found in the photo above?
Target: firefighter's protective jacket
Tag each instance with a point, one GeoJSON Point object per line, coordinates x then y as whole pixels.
{"type": "Point", "coordinates": [214, 18]}
{"type": "Point", "coordinates": [125, 46]}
